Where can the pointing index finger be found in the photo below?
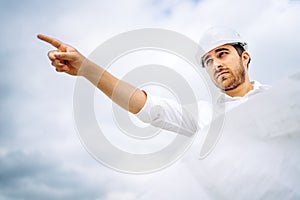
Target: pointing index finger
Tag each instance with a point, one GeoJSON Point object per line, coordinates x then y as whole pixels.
{"type": "Point", "coordinates": [54, 42]}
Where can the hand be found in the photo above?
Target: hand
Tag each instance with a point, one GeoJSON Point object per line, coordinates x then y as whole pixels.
{"type": "Point", "coordinates": [66, 58]}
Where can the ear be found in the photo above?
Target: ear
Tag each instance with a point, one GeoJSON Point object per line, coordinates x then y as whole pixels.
{"type": "Point", "coordinates": [246, 58]}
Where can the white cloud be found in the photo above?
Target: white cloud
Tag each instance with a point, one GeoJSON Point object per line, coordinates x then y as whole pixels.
{"type": "Point", "coordinates": [36, 103]}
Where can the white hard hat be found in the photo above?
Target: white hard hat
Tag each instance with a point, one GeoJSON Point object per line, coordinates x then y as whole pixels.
{"type": "Point", "coordinates": [218, 36]}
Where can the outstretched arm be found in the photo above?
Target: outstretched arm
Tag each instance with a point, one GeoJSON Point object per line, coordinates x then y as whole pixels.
{"type": "Point", "coordinates": [67, 59]}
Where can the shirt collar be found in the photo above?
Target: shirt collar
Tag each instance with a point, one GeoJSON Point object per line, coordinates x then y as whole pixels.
{"type": "Point", "coordinates": [257, 88]}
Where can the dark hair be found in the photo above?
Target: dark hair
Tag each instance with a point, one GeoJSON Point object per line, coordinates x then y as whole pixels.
{"type": "Point", "coordinates": [239, 49]}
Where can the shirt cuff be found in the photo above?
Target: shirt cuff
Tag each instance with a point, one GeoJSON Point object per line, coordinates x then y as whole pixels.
{"type": "Point", "coordinates": [144, 113]}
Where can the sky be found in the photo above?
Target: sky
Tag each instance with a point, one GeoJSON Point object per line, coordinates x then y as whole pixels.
{"type": "Point", "coordinates": [41, 155]}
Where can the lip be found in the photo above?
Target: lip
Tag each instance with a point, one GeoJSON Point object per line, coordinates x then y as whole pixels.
{"type": "Point", "coordinates": [220, 74]}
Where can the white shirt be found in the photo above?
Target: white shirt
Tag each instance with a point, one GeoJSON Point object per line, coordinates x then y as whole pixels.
{"type": "Point", "coordinates": [256, 157]}
{"type": "Point", "coordinates": [168, 114]}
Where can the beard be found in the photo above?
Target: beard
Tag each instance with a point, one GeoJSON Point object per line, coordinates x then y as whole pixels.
{"type": "Point", "coordinates": [233, 80]}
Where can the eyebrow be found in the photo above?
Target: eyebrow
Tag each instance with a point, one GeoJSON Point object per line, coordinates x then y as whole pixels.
{"type": "Point", "coordinates": [221, 49]}
{"type": "Point", "coordinates": [216, 51]}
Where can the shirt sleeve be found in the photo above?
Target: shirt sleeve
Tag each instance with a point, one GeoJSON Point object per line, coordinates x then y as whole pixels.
{"type": "Point", "coordinates": [169, 115]}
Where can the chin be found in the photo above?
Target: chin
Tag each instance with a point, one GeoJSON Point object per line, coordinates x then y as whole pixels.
{"type": "Point", "coordinates": [222, 85]}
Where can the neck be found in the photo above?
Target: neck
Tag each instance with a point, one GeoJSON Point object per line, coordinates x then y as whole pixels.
{"type": "Point", "coordinates": [241, 90]}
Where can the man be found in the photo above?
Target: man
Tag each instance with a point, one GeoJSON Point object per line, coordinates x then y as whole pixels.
{"type": "Point", "coordinates": [226, 61]}
{"type": "Point", "coordinates": [244, 164]}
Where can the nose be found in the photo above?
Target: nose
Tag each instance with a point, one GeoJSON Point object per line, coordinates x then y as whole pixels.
{"type": "Point", "coordinates": [217, 65]}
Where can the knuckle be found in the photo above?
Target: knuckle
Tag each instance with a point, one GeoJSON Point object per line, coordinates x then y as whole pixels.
{"type": "Point", "coordinates": [58, 69]}
{"type": "Point", "coordinates": [51, 55]}
{"type": "Point", "coordinates": [55, 63]}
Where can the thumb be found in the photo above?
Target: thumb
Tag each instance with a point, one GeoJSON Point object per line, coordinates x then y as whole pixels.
{"type": "Point", "coordinates": [65, 55]}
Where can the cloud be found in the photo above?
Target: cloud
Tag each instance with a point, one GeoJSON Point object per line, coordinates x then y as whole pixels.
{"type": "Point", "coordinates": [36, 102]}
{"type": "Point", "coordinates": [33, 176]}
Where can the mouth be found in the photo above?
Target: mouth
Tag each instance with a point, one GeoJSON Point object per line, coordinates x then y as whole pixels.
{"type": "Point", "coordinates": [221, 74]}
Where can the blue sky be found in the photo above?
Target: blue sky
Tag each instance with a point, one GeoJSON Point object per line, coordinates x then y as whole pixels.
{"type": "Point", "coordinates": [41, 156]}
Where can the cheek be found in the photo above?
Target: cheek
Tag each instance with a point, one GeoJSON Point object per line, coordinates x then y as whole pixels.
{"type": "Point", "coordinates": [210, 73]}
{"type": "Point", "coordinates": [231, 62]}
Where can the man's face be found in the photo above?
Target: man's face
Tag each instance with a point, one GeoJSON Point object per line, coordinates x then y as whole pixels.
{"type": "Point", "coordinates": [225, 67]}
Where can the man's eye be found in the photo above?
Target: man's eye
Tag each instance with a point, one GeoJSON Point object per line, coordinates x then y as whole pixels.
{"type": "Point", "coordinates": [208, 61]}
{"type": "Point", "coordinates": [221, 54]}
